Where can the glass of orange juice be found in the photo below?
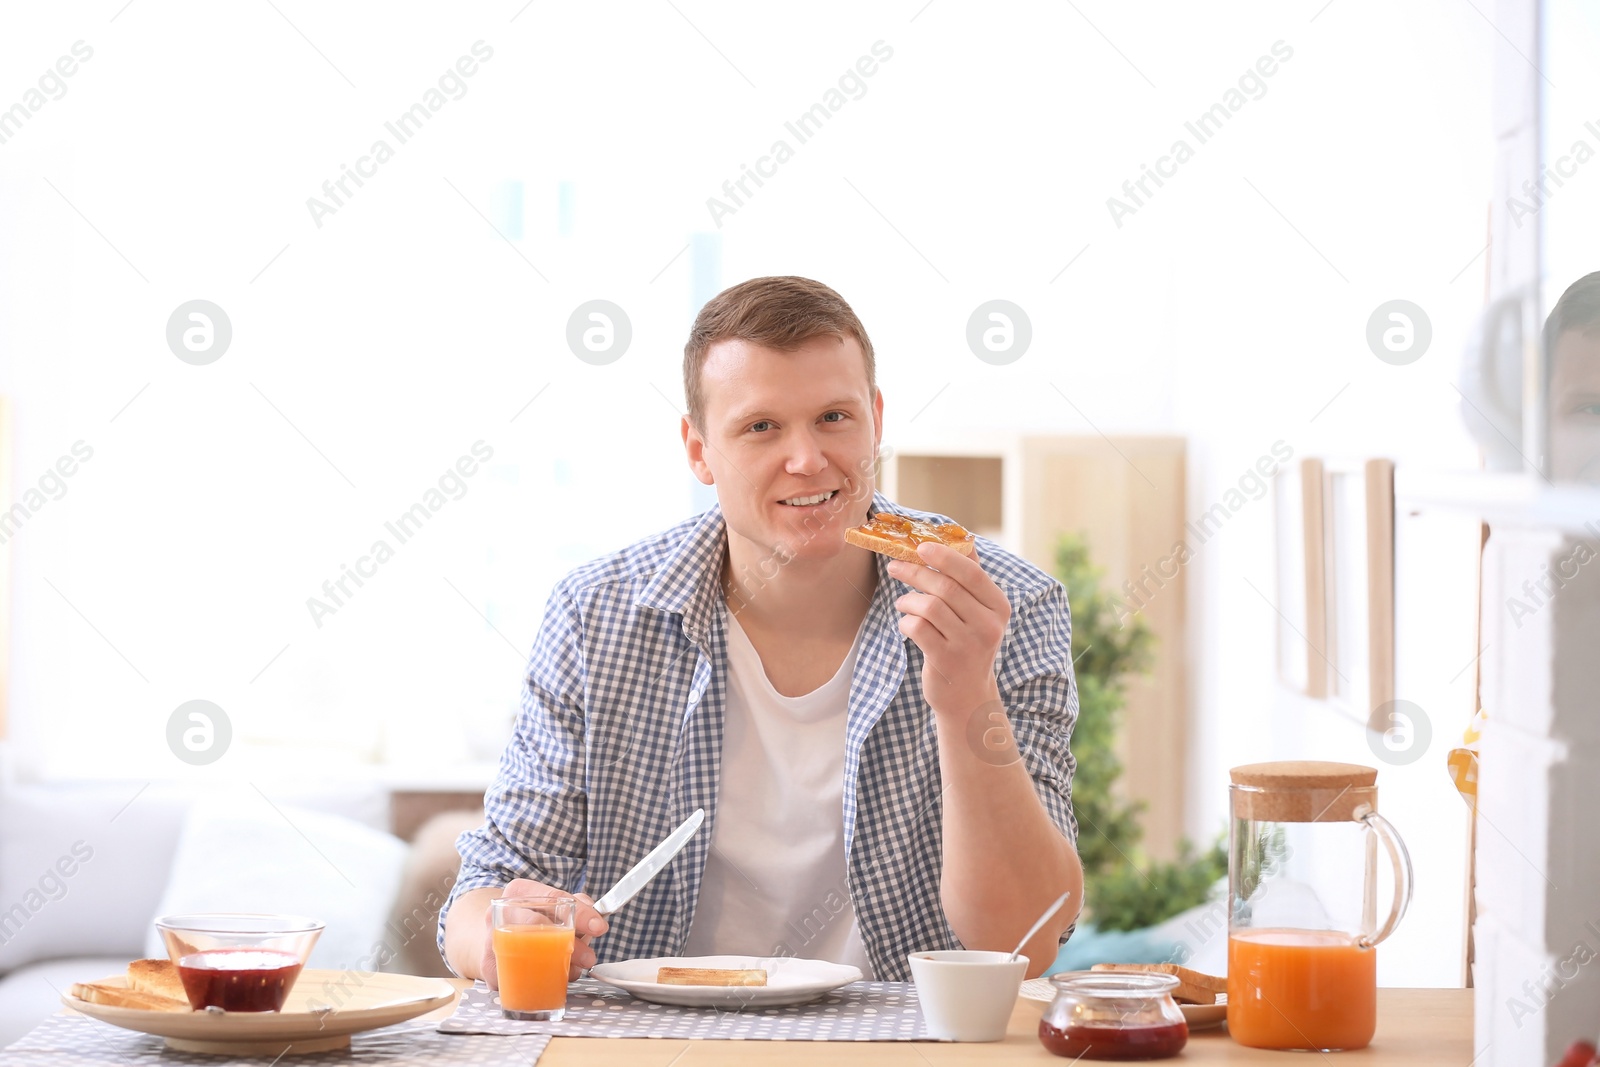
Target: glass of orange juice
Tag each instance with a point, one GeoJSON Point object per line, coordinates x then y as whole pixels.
{"type": "Point", "coordinates": [532, 953]}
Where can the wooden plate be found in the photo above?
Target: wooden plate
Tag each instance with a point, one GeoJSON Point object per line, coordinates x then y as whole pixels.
{"type": "Point", "coordinates": [323, 1009]}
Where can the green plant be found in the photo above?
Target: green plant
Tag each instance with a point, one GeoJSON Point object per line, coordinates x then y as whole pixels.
{"type": "Point", "coordinates": [1124, 888]}
{"type": "Point", "coordinates": [1260, 855]}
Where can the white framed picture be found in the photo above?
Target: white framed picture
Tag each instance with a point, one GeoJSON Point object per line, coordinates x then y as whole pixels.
{"type": "Point", "coordinates": [1302, 644]}
{"type": "Point", "coordinates": [1358, 534]}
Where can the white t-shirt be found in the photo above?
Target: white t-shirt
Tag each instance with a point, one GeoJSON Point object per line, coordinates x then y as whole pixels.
{"type": "Point", "coordinates": [774, 882]}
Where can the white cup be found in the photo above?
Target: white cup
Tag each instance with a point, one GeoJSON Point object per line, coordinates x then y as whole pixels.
{"type": "Point", "coordinates": [967, 995]}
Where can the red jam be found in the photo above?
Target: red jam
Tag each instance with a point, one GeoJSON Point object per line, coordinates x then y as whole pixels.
{"type": "Point", "coordinates": [238, 979]}
{"type": "Point", "coordinates": [1114, 1043]}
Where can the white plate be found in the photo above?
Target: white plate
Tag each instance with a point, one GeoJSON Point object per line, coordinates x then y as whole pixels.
{"type": "Point", "coordinates": [323, 1009]}
{"type": "Point", "coordinates": [789, 981]}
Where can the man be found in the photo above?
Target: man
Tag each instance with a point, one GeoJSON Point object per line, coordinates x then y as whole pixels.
{"type": "Point", "coordinates": [1572, 355]}
{"type": "Point", "coordinates": [881, 748]}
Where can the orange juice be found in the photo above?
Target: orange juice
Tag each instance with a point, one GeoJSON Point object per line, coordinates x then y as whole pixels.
{"type": "Point", "coordinates": [532, 961]}
{"type": "Point", "coordinates": [1301, 989]}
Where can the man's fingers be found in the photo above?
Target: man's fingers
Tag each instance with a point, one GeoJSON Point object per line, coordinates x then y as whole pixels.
{"type": "Point", "coordinates": [923, 632]}
{"type": "Point", "coordinates": [967, 571]}
{"type": "Point", "coordinates": [934, 582]}
{"type": "Point", "coordinates": [935, 610]}
{"type": "Point", "coordinates": [965, 600]}
{"type": "Point", "coordinates": [587, 921]}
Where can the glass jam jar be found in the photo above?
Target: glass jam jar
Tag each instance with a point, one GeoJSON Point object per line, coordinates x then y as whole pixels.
{"type": "Point", "coordinates": [1103, 1015]}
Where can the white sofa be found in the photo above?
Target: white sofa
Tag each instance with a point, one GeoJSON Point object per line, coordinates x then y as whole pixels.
{"type": "Point", "coordinates": [84, 869]}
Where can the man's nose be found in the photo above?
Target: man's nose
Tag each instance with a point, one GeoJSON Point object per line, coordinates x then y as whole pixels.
{"type": "Point", "coordinates": [805, 456]}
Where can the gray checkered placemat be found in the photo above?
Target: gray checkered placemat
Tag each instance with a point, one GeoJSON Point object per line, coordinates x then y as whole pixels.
{"type": "Point", "coordinates": [72, 1040]}
{"type": "Point", "coordinates": [861, 1011]}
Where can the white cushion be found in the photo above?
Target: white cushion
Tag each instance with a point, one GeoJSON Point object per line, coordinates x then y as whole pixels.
{"type": "Point", "coordinates": [246, 853]}
{"type": "Point", "coordinates": [32, 994]}
{"type": "Point", "coordinates": [81, 868]}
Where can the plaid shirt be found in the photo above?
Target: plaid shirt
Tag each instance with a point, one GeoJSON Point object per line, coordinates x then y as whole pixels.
{"type": "Point", "coordinates": [620, 739]}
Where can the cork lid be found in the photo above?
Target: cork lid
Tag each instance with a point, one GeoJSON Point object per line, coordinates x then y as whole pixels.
{"type": "Point", "coordinates": [1303, 791]}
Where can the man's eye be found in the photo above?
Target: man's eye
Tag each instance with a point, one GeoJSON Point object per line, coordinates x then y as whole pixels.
{"type": "Point", "coordinates": [761, 427]}
{"type": "Point", "coordinates": [833, 416]}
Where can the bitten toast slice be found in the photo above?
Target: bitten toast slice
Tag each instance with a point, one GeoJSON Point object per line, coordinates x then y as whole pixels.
{"type": "Point", "coordinates": [897, 536]}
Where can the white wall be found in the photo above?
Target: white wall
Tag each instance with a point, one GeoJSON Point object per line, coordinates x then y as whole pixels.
{"type": "Point", "coordinates": [1231, 308]}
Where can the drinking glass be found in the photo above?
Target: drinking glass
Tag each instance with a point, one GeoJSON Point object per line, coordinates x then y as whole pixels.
{"type": "Point", "coordinates": [532, 951]}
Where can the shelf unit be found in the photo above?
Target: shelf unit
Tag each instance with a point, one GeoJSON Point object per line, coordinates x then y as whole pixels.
{"type": "Point", "coordinates": [1127, 496]}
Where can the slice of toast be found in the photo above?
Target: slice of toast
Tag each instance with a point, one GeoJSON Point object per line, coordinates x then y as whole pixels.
{"type": "Point", "coordinates": [709, 976]}
{"type": "Point", "coordinates": [897, 536]}
{"type": "Point", "coordinates": [159, 977]}
{"type": "Point", "coordinates": [1194, 987]}
{"type": "Point", "coordinates": [116, 996]}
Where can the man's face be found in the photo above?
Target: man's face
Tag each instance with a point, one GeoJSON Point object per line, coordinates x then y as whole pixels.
{"type": "Point", "coordinates": [783, 429]}
{"type": "Point", "coordinates": [1575, 407]}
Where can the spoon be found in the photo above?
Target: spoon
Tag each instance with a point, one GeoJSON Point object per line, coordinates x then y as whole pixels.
{"type": "Point", "coordinates": [1051, 910]}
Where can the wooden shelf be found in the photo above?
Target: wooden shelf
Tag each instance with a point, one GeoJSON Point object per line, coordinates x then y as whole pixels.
{"type": "Point", "coordinates": [965, 486]}
{"type": "Point", "coordinates": [1127, 496]}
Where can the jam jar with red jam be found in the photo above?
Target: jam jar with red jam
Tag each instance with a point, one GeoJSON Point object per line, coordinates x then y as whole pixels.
{"type": "Point", "coordinates": [1102, 1015]}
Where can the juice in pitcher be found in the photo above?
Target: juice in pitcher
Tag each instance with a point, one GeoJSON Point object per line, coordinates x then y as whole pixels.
{"type": "Point", "coordinates": [1309, 989]}
{"type": "Point", "coordinates": [1310, 897]}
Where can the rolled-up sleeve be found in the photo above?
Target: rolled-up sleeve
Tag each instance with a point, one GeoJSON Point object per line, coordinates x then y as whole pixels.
{"type": "Point", "coordinates": [536, 809]}
{"type": "Point", "coordinates": [1040, 695]}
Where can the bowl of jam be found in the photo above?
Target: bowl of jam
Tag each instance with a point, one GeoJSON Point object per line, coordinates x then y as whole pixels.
{"type": "Point", "coordinates": [237, 961]}
{"type": "Point", "coordinates": [1101, 1015]}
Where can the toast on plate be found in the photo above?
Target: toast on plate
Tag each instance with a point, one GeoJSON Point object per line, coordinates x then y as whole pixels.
{"type": "Point", "coordinates": [709, 976]}
{"type": "Point", "coordinates": [116, 996]}
{"type": "Point", "coordinates": [159, 977]}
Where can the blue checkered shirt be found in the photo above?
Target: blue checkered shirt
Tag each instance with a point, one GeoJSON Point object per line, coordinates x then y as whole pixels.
{"type": "Point", "coordinates": [620, 739]}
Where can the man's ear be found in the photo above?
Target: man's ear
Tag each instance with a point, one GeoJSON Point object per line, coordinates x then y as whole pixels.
{"type": "Point", "coordinates": [694, 446]}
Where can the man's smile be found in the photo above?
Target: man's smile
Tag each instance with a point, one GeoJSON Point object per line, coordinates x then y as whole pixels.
{"type": "Point", "coordinates": [815, 500]}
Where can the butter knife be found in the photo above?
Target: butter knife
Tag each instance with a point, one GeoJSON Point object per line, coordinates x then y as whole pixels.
{"type": "Point", "coordinates": [628, 885]}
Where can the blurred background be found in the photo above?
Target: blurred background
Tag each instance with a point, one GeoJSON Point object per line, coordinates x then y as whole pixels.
{"type": "Point", "coordinates": [269, 272]}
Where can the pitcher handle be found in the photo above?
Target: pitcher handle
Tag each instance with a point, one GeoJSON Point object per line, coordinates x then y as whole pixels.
{"type": "Point", "coordinates": [1401, 860]}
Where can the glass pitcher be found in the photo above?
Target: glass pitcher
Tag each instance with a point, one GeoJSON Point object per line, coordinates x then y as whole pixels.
{"type": "Point", "coordinates": [1303, 904]}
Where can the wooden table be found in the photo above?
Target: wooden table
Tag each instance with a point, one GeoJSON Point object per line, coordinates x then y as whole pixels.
{"type": "Point", "coordinates": [1416, 1028]}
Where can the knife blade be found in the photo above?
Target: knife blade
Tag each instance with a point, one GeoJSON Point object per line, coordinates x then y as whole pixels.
{"type": "Point", "coordinates": [628, 885]}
